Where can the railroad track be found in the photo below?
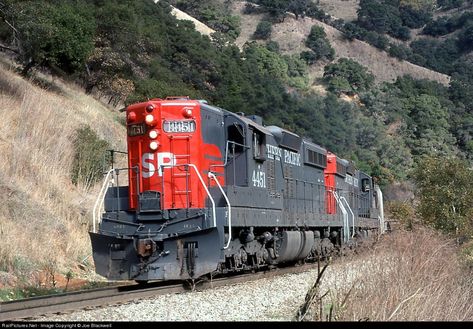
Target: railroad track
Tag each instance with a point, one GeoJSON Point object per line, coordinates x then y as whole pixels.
{"type": "Point", "coordinates": [35, 307]}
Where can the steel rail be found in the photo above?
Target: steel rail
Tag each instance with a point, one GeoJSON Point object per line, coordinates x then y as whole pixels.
{"type": "Point", "coordinates": [35, 307]}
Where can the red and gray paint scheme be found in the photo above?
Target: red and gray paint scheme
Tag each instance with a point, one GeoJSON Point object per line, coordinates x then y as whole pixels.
{"type": "Point", "coordinates": [214, 191]}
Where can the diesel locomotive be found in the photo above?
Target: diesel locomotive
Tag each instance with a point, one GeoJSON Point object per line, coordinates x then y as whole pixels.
{"type": "Point", "coordinates": [212, 191]}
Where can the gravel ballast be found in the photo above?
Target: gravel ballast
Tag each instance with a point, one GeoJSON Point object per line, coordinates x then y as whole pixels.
{"type": "Point", "coordinates": [275, 299]}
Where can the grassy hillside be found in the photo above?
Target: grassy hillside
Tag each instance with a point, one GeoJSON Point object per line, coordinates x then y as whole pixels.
{"type": "Point", "coordinates": [44, 218]}
{"type": "Point", "coordinates": [292, 33]}
{"type": "Point", "coordinates": [406, 276]}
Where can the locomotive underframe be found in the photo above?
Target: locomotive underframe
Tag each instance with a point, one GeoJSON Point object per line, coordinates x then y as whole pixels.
{"type": "Point", "coordinates": [184, 244]}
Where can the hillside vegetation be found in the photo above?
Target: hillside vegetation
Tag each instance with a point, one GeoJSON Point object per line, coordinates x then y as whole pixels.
{"type": "Point", "coordinates": [292, 33]}
{"type": "Point", "coordinates": [406, 276]}
{"type": "Point", "coordinates": [44, 217]}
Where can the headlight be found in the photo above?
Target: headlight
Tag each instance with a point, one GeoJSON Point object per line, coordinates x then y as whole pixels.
{"type": "Point", "coordinates": [154, 145]}
{"type": "Point", "coordinates": [149, 119]}
{"type": "Point", "coordinates": [153, 134]}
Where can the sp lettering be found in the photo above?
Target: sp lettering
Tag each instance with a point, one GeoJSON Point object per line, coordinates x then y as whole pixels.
{"type": "Point", "coordinates": [154, 162]}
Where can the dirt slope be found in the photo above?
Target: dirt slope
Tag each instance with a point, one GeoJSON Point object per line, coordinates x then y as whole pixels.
{"type": "Point", "coordinates": [199, 26]}
{"type": "Point", "coordinates": [344, 9]}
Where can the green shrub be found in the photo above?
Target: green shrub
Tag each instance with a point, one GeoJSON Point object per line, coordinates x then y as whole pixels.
{"type": "Point", "coordinates": [347, 76]}
{"type": "Point", "coordinates": [263, 30]}
{"type": "Point", "coordinates": [317, 41]}
{"type": "Point", "coordinates": [402, 212]}
{"type": "Point", "coordinates": [90, 157]}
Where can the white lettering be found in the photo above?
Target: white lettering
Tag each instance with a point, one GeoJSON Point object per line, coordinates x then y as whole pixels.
{"type": "Point", "coordinates": [148, 167]}
{"type": "Point", "coordinates": [349, 179]}
{"type": "Point", "coordinates": [179, 126]}
{"type": "Point", "coordinates": [274, 152]}
{"type": "Point", "coordinates": [259, 178]}
{"type": "Point", "coordinates": [165, 159]}
{"type": "Point", "coordinates": [292, 158]}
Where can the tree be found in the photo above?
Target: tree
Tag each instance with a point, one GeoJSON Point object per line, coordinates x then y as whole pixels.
{"type": "Point", "coordinates": [277, 8]}
{"type": "Point", "coordinates": [415, 18]}
{"type": "Point", "coordinates": [445, 194]}
{"type": "Point", "coordinates": [449, 4]}
{"type": "Point", "coordinates": [266, 61]}
{"type": "Point", "coordinates": [214, 13]}
{"type": "Point", "coordinates": [399, 51]}
{"type": "Point", "coordinates": [382, 17]}
{"type": "Point", "coordinates": [347, 76]}
{"type": "Point", "coordinates": [263, 30]}
{"type": "Point", "coordinates": [317, 41]}
{"type": "Point", "coordinates": [429, 126]}
{"type": "Point", "coordinates": [353, 31]}
{"type": "Point", "coordinates": [378, 16]}
{"type": "Point", "coordinates": [52, 33]}
{"type": "Point", "coordinates": [308, 56]}
{"type": "Point", "coordinates": [437, 27]}
{"type": "Point", "coordinates": [298, 7]}
{"type": "Point", "coordinates": [466, 37]}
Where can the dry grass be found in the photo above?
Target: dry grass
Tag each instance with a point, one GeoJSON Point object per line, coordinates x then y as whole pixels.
{"type": "Point", "coordinates": [408, 276]}
{"type": "Point", "coordinates": [344, 9]}
{"type": "Point", "coordinates": [44, 218]}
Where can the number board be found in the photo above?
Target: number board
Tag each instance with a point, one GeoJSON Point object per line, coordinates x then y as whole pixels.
{"type": "Point", "coordinates": [136, 130]}
{"type": "Point", "coordinates": [181, 126]}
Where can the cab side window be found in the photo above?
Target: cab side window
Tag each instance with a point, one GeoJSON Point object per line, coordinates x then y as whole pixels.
{"type": "Point", "coordinates": [259, 146]}
{"type": "Point", "coordinates": [236, 138]}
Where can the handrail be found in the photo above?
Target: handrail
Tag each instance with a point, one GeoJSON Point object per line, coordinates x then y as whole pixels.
{"type": "Point", "coordinates": [346, 234]}
{"type": "Point", "coordinates": [226, 153]}
{"type": "Point", "coordinates": [203, 184]}
{"type": "Point", "coordinates": [100, 198]}
{"type": "Point", "coordinates": [379, 196]}
{"type": "Point", "coordinates": [352, 215]}
{"type": "Point", "coordinates": [212, 175]}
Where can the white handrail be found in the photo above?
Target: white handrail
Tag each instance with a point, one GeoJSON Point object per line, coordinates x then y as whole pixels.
{"type": "Point", "coordinates": [352, 215]}
{"type": "Point", "coordinates": [100, 198]}
{"type": "Point", "coordinates": [212, 175]}
{"type": "Point", "coordinates": [346, 234]}
{"type": "Point", "coordinates": [379, 196]}
{"type": "Point", "coordinates": [203, 184]}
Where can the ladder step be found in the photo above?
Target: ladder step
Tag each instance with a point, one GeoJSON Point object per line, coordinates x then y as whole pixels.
{"type": "Point", "coordinates": [184, 174]}
{"type": "Point", "coordinates": [179, 137]}
{"type": "Point", "coordinates": [182, 192]}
